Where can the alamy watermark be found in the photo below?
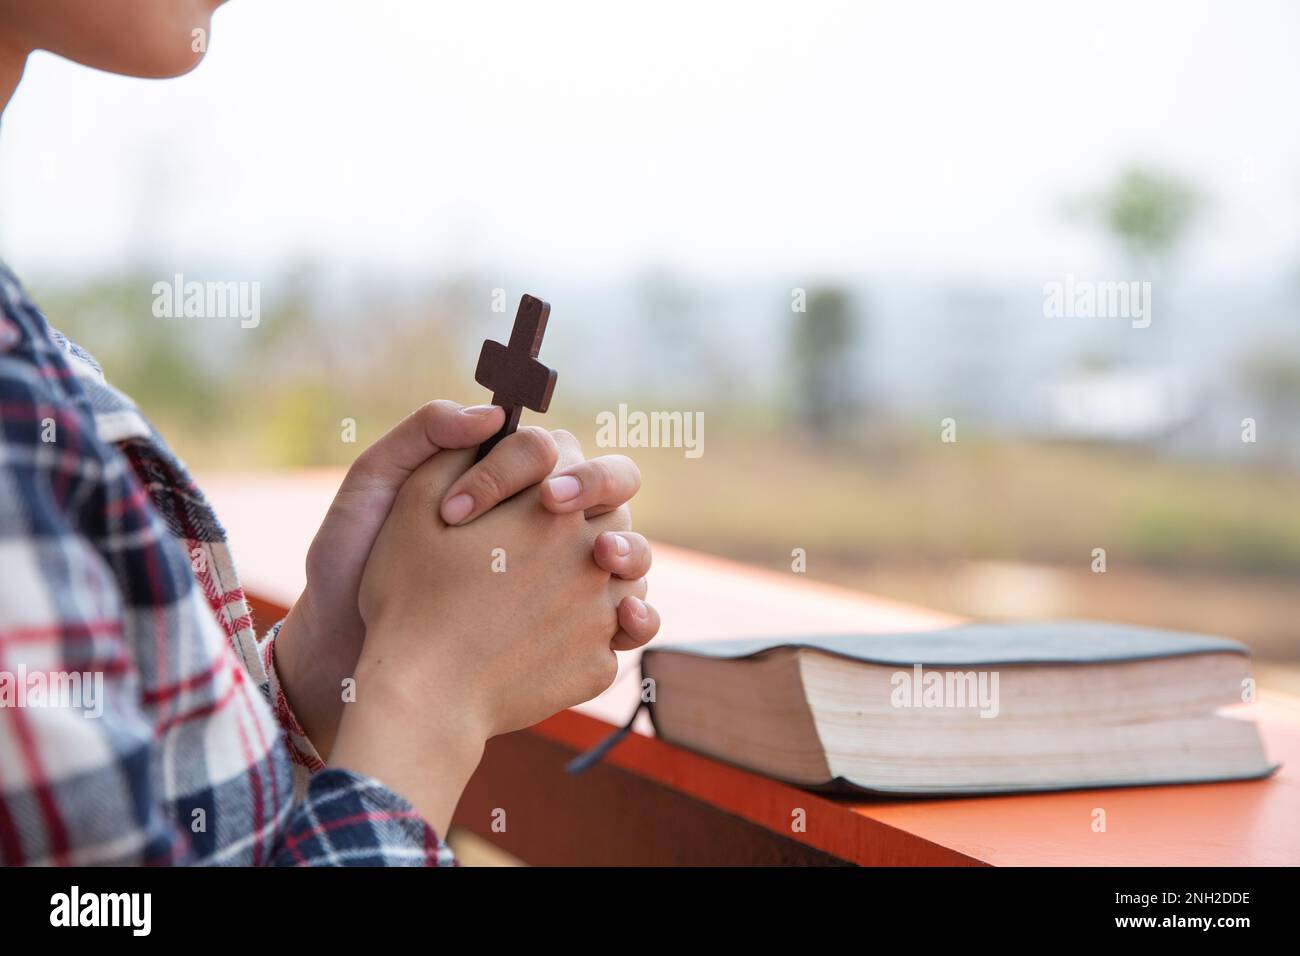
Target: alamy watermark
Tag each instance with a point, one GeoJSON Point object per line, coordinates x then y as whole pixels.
{"type": "Point", "coordinates": [636, 429]}
{"type": "Point", "coordinates": [74, 690]}
{"type": "Point", "coordinates": [1073, 298]}
{"type": "Point", "coordinates": [133, 911]}
{"type": "Point", "coordinates": [946, 689]}
{"type": "Point", "coordinates": [179, 299]}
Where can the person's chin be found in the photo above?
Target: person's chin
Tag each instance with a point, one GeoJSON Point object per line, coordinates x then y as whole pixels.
{"type": "Point", "coordinates": [168, 55]}
{"type": "Point", "coordinates": [168, 46]}
{"type": "Point", "coordinates": [177, 66]}
{"type": "Point", "coordinates": [159, 65]}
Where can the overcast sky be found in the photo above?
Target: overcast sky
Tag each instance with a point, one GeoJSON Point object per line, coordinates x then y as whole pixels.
{"type": "Point", "coordinates": [715, 138]}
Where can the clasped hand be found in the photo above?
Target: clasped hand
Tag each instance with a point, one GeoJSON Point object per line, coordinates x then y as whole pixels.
{"type": "Point", "coordinates": [465, 600]}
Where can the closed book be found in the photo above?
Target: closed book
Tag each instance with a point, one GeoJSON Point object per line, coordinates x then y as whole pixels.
{"type": "Point", "coordinates": [982, 708]}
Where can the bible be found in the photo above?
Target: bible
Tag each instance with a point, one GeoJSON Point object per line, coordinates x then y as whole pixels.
{"type": "Point", "coordinates": [981, 708]}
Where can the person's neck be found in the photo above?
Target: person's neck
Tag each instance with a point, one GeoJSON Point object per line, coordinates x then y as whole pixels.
{"type": "Point", "coordinates": [12, 61]}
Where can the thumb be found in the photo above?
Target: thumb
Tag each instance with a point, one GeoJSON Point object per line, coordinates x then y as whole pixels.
{"type": "Point", "coordinates": [338, 552]}
{"type": "Point", "coordinates": [418, 437]}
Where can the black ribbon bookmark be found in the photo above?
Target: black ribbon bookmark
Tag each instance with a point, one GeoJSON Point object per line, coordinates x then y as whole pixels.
{"type": "Point", "coordinates": [585, 761]}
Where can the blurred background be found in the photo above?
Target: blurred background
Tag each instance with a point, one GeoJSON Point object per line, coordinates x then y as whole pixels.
{"type": "Point", "coordinates": [678, 180]}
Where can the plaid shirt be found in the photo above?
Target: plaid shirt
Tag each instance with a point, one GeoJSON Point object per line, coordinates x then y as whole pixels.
{"type": "Point", "coordinates": [115, 574]}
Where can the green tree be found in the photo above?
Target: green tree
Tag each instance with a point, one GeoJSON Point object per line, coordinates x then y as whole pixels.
{"type": "Point", "coordinates": [1147, 211]}
{"type": "Point", "coordinates": [823, 334]}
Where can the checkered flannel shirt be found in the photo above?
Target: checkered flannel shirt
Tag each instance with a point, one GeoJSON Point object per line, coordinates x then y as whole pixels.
{"type": "Point", "coordinates": [112, 563]}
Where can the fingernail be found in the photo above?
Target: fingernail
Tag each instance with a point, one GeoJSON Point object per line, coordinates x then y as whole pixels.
{"type": "Point", "coordinates": [457, 508]}
{"type": "Point", "coordinates": [565, 487]}
{"type": "Point", "coordinates": [622, 545]}
{"type": "Point", "coordinates": [637, 606]}
{"type": "Point", "coordinates": [477, 410]}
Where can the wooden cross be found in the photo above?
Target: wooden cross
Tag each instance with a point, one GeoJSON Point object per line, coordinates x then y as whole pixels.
{"type": "Point", "coordinates": [517, 379]}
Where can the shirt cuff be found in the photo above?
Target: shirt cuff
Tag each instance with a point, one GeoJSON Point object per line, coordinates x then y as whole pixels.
{"type": "Point", "coordinates": [348, 819]}
{"type": "Point", "coordinates": [301, 750]}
